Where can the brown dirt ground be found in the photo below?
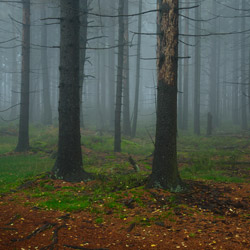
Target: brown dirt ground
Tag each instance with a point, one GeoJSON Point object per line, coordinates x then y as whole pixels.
{"type": "Point", "coordinates": [209, 216]}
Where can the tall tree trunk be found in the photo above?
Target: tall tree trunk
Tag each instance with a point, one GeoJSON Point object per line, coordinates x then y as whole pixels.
{"type": "Point", "coordinates": [180, 81]}
{"type": "Point", "coordinates": [47, 112]}
{"type": "Point", "coordinates": [243, 71]}
{"type": "Point", "coordinates": [197, 77]}
{"type": "Point", "coordinates": [186, 80]}
{"type": "Point", "coordinates": [213, 74]}
{"type": "Point", "coordinates": [235, 70]}
{"type": "Point", "coordinates": [165, 171]}
{"type": "Point", "coordinates": [218, 85]}
{"type": "Point", "coordinates": [83, 43]}
{"type": "Point", "coordinates": [118, 105]}
{"type": "Point", "coordinates": [111, 72]}
{"type": "Point", "coordinates": [68, 164]}
{"type": "Point", "coordinates": [138, 68]}
{"type": "Point", "coordinates": [23, 135]}
{"type": "Point", "coordinates": [126, 101]}
{"type": "Point", "coordinates": [14, 78]}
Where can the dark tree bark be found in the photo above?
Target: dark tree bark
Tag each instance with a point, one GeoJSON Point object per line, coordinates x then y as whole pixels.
{"type": "Point", "coordinates": [118, 104]}
{"type": "Point", "coordinates": [126, 101]}
{"type": "Point", "coordinates": [138, 65]}
{"type": "Point", "coordinates": [68, 164]}
{"type": "Point", "coordinates": [165, 171]}
{"type": "Point", "coordinates": [23, 135]}
{"type": "Point", "coordinates": [197, 76]}
{"type": "Point", "coordinates": [47, 112]}
{"type": "Point", "coordinates": [83, 43]}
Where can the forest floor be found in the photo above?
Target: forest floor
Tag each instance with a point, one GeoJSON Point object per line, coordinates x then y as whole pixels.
{"type": "Point", "coordinates": [116, 211]}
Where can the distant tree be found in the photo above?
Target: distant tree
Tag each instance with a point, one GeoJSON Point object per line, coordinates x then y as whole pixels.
{"type": "Point", "coordinates": [47, 112]}
{"type": "Point", "coordinates": [68, 164]}
{"type": "Point", "coordinates": [83, 43]}
{"type": "Point", "coordinates": [126, 87]}
{"type": "Point", "coordinates": [138, 70]}
{"type": "Point", "coordinates": [118, 104]}
{"type": "Point", "coordinates": [23, 135]}
{"type": "Point", "coordinates": [185, 110]}
{"type": "Point", "coordinates": [165, 171]}
{"type": "Point", "coordinates": [197, 77]}
{"type": "Point", "coordinates": [243, 71]}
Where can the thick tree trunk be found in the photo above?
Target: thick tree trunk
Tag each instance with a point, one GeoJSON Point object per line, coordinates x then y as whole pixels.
{"type": "Point", "coordinates": [197, 76]}
{"type": "Point", "coordinates": [83, 43]}
{"type": "Point", "coordinates": [23, 136]}
{"type": "Point", "coordinates": [126, 102]}
{"type": "Point", "coordinates": [165, 171]}
{"type": "Point", "coordinates": [68, 164]}
{"type": "Point", "coordinates": [47, 112]}
{"type": "Point", "coordinates": [118, 105]}
{"type": "Point", "coordinates": [138, 65]}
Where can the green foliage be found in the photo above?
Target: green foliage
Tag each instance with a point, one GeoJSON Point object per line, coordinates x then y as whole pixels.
{"type": "Point", "coordinates": [16, 168]}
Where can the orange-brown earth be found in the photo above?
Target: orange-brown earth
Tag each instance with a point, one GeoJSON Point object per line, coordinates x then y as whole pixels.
{"type": "Point", "coordinates": [208, 216]}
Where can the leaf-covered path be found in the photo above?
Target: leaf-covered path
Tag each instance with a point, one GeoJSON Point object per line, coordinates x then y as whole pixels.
{"type": "Point", "coordinates": [208, 216]}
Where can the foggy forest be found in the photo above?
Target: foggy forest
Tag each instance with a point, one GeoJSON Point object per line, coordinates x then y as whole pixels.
{"type": "Point", "coordinates": [124, 124]}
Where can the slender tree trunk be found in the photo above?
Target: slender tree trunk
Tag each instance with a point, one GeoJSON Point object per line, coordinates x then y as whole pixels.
{"type": "Point", "coordinates": [126, 102]}
{"type": "Point", "coordinates": [165, 171]}
{"type": "Point", "coordinates": [243, 71]}
{"type": "Point", "coordinates": [138, 65]}
{"type": "Point", "coordinates": [47, 112]}
{"type": "Point", "coordinates": [14, 89]}
{"type": "Point", "coordinates": [213, 75]}
{"type": "Point", "coordinates": [197, 77]}
{"type": "Point", "coordinates": [68, 164]}
{"type": "Point", "coordinates": [180, 80]}
{"type": "Point", "coordinates": [186, 80]}
{"type": "Point", "coordinates": [83, 43]}
{"type": "Point", "coordinates": [218, 85]}
{"type": "Point", "coordinates": [23, 136]}
{"type": "Point", "coordinates": [111, 72]}
{"type": "Point", "coordinates": [235, 70]}
{"type": "Point", "coordinates": [117, 141]}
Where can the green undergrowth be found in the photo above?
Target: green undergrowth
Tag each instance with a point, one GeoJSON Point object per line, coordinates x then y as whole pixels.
{"type": "Point", "coordinates": [16, 168]}
{"type": "Point", "coordinates": [200, 158]}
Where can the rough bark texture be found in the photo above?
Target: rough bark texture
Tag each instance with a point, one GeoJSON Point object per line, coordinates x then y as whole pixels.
{"type": "Point", "coordinates": [47, 112]}
{"type": "Point", "coordinates": [165, 172]}
{"type": "Point", "coordinates": [118, 104]}
{"type": "Point", "coordinates": [23, 136]}
{"type": "Point", "coordinates": [68, 164]}
{"type": "Point", "coordinates": [138, 65]}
